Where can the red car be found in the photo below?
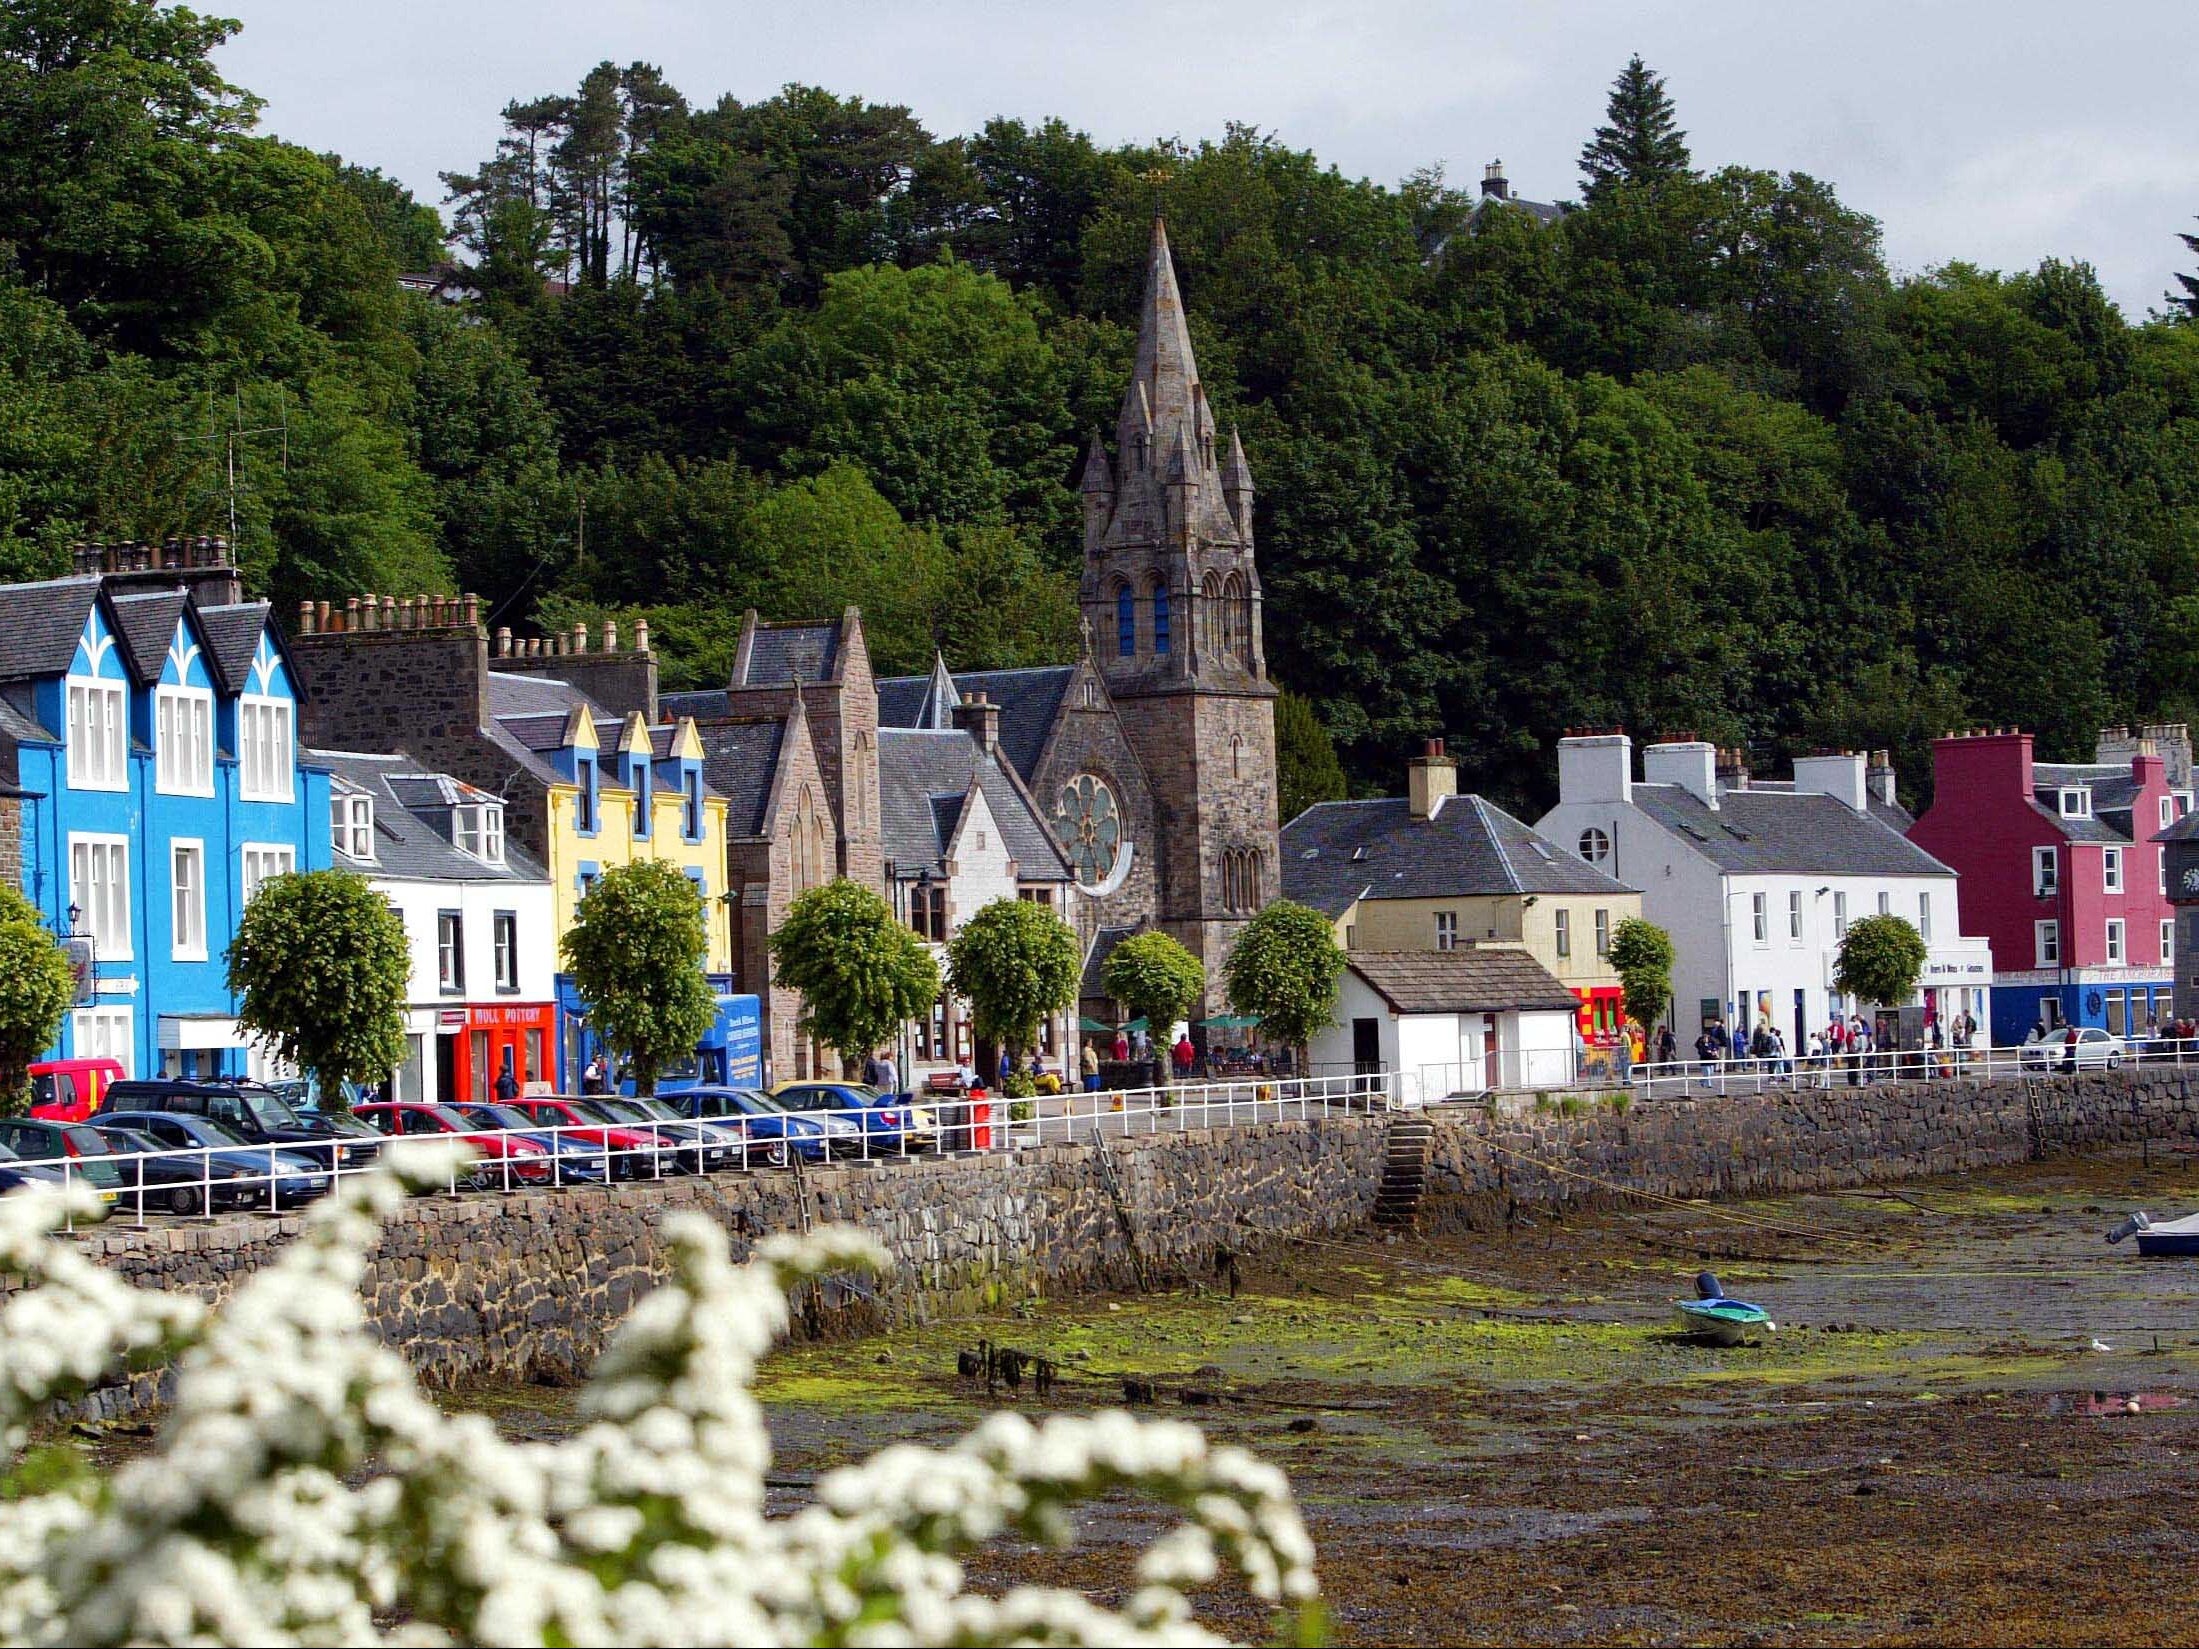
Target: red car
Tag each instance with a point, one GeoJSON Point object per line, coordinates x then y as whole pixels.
{"type": "Point", "coordinates": [499, 1154]}
{"type": "Point", "coordinates": [635, 1151]}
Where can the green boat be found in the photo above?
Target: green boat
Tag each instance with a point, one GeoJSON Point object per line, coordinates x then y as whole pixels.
{"type": "Point", "coordinates": [1718, 1320]}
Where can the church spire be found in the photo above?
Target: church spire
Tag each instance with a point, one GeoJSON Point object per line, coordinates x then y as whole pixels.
{"type": "Point", "coordinates": [1164, 382]}
{"type": "Point", "coordinates": [940, 697]}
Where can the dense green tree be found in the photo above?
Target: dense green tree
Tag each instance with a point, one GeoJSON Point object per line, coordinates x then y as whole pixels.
{"type": "Point", "coordinates": [1286, 969]}
{"type": "Point", "coordinates": [1640, 144]}
{"type": "Point", "coordinates": [861, 973]}
{"type": "Point", "coordinates": [1306, 768]}
{"type": "Point", "coordinates": [320, 967]}
{"type": "Point", "coordinates": [1156, 980]}
{"type": "Point", "coordinates": [635, 951]}
{"type": "Point", "coordinates": [1881, 960]}
{"type": "Point", "coordinates": [1015, 962]}
{"type": "Point", "coordinates": [1643, 956]}
{"type": "Point", "coordinates": [410, 230]}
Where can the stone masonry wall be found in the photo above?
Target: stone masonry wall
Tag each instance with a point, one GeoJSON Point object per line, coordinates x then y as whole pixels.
{"type": "Point", "coordinates": [486, 1287]}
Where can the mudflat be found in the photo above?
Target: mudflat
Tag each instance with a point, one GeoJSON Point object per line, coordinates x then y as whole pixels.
{"type": "Point", "coordinates": [1501, 1437]}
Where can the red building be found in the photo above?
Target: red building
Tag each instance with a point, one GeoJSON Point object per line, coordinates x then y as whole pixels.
{"type": "Point", "coordinates": [2060, 872]}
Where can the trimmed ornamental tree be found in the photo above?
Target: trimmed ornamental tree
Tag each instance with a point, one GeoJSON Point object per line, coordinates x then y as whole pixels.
{"type": "Point", "coordinates": [320, 968]}
{"type": "Point", "coordinates": [1643, 957]}
{"type": "Point", "coordinates": [1014, 962]}
{"type": "Point", "coordinates": [1156, 979]}
{"type": "Point", "coordinates": [1285, 967]}
{"type": "Point", "coordinates": [636, 951]}
{"type": "Point", "coordinates": [1881, 959]}
{"type": "Point", "coordinates": [37, 985]}
{"type": "Point", "coordinates": [862, 975]}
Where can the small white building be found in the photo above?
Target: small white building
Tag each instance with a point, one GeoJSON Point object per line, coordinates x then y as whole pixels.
{"type": "Point", "coordinates": [1757, 881]}
{"type": "Point", "coordinates": [1452, 1021]}
{"type": "Point", "coordinates": [478, 917]}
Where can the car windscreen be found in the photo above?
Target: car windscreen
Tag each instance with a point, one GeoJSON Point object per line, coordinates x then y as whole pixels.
{"type": "Point", "coordinates": [492, 1116]}
{"type": "Point", "coordinates": [87, 1142]}
{"type": "Point", "coordinates": [757, 1104]}
{"type": "Point", "coordinates": [456, 1118]}
{"type": "Point", "coordinates": [615, 1110]}
{"type": "Point", "coordinates": [270, 1108]}
{"type": "Point", "coordinates": [655, 1109]}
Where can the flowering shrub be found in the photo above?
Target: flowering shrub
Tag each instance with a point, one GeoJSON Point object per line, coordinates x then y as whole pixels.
{"type": "Point", "coordinates": [304, 1490]}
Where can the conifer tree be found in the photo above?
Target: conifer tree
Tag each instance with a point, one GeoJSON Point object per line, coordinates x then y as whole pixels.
{"type": "Point", "coordinates": [2188, 299]}
{"type": "Point", "coordinates": [1642, 143]}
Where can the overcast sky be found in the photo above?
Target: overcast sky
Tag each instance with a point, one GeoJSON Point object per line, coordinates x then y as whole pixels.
{"type": "Point", "coordinates": [1998, 132]}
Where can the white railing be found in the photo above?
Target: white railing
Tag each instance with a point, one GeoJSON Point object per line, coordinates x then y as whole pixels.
{"type": "Point", "coordinates": [204, 1180]}
{"type": "Point", "coordinates": [1750, 1074]}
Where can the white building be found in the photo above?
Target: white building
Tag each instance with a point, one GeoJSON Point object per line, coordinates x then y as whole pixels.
{"type": "Point", "coordinates": [1452, 1021]}
{"type": "Point", "coordinates": [477, 915]}
{"type": "Point", "coordinates": [1757, 882]}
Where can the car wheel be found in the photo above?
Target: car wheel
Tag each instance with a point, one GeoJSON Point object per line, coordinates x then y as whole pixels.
{"type": "Point", "coordinates": [184, 1199]}
{"type": "Point", "coordinates": [775, 1154]}
{"type": "Point", "coordinates": [2114, 1061]}
{"type": "Point", "coordinates": [484, 1176]}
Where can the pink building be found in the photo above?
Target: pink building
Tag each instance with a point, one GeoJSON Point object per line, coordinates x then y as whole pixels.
{"type": "Point", "coordinates": [2061, 873]}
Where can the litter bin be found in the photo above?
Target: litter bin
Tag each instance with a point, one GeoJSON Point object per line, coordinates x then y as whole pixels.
{"type": "Point", "coordinates": [980, 1125]}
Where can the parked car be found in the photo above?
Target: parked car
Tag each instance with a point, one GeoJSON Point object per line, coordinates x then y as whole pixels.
{"type": "Point", "coordinates": [253, 1112]}
{"type": "Point", "coordinates": [746, 1146]}
{"type": "Point", "coordinates": [15, 1173]}
{"type": "Point", "coordinates": [813, 1138]}
{"type": "Point", "coordinates": [76, 1150]}
{"type": "Point", "coordinates": [573, 1159]}
{"type": "Point", "coordinates": [499, 1156]}
{"type": "Point", "coordinates": [631, 1152]}
{"type": "Point", "coordinates": [890, 1121]}
{"type": "Point", "coordinates": [68, 1090]}
{"type": "Point", "coordinates": [221, 1170]}
{"type": "Point", "coordinates": [2087, 1047]}
{"type": "Point", "coordinates": [695, 1150]}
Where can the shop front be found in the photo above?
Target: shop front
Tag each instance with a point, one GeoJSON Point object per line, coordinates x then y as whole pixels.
{"type": "Point", "coordinates": [476, 1044]}
{"type": "Point", "coordinates": [1600, 1020]}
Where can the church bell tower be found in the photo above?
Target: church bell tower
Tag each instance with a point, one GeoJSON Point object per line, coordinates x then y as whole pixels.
{"type": "Point", "coordinates": [1172, 597]}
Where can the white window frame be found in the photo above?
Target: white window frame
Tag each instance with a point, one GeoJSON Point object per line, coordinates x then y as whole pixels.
{"type": "Point", "coordinates": [479, 830]}
{"type": "Point", "coordinates": [2075, 802]}
{"type": "Point", "coordinates": [1446, 930]}
{"type": "Point", "coordinates": [2046, 944]}
{"type": "Point", "coordinates": [258, 861]}
{"type": "Point", "coordinates": [2168, 940]}
{"type": "Point", "coordinates": [504, 946]}
{"type": "Point", "coordinates": [1794, 915]}
{"type": "Point", "coordinates": [1760, 918]}
{"type": "Point", "coordinates": [112, 937]}
{"type": "Point", "coordinates": [351, 826]}
{"type": "Point", "coordinates": [187, 920]}
{"type": "Point", "coordinates": [1563, 925]}
{"type": "Point", "coordinates": [105, 1032]}
{"type": "Point", "coordinates": [183, 741]}
{"type": "Point", "coordinates": [2117, 951]}
{"type": "Point", "coordinates": [1840, 915]}
{"type": "Point", "coordinates": [98, 713]}
{"type": "Point", "coordinates": [1924, 916]}
{"type": "Point", "coordinates": [2046, 872]}
{"type": "Point", "coordinates": [450, 952]}
{"type": "Point", "coordinates": [2168, 811]}
{"type": "Point", "coordinates": [2111, 870]}
{"type": "Point", "coordinates": [259, 715]}
{"type": "Point", "coordinates": [1603, 933]}
{"type": "Point", "coordinates": [1885, 903]}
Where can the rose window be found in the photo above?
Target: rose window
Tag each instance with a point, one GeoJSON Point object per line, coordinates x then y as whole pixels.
{"type": "Point", "coordinates": [1090, 827]}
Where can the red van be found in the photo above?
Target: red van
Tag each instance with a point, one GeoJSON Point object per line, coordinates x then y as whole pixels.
{"type": "Point", "coordinates": [68, 1090]}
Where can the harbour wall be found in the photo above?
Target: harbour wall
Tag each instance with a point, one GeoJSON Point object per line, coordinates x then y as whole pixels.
{"type": "Point", "coordinates": [530, 1285]}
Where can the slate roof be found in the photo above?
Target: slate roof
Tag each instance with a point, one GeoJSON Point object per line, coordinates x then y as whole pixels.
{"type": "Point", "coordinates": [1029, 701]}
{"type": "Point", "coordinates": [1095, 961]}
{"type": "Point", "coordinates": [537, 733]}
{"type": "Point", "coordinates": [1473, 979]}
{"type": "Point", "coordinates": [41, 623]}
{"type": "Point", "coordinates": [1337, 853]}
{"type": "Point", "coordinates": [18, 722]}
{"type": "Point", "coordinates": [704, 703]}
{"type": "Point", "coordinates": [920, 768]}
{"type": "Point", "coordinates": [147, 620]}
{"type": "Point", "coordinates": [739, 761]}
{"type": "Point", "coordinates": [2114, 793]}
{"type": "Point", "coordinates": [1761, 831]}
{"type": "Point", "coordinates": [1891, 814]}
{"type": "Point", "coordinates": [784, 653]}
{"type": "Point", "coordinates": [407, 847]}
{"type": "Point", "coordinates": [233, 636]}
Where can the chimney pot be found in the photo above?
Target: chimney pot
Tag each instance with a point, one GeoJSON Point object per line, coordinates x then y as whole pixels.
{"type": "Point", "coordinates": [641, 635]}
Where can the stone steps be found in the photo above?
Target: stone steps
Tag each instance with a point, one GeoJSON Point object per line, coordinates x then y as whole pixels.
{"type": "Point", "coordinates": [1405, 1152]}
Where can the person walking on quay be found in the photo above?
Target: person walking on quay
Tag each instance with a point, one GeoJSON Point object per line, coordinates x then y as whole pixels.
{"type": "Point", "coordinates": [1814, 1059]}
{"type": "Point", "coordinates": [1088, 1062]}
{"type": "Point", "coordinates": [1122, 1048]}
{"type": "Point", "coordinates": [1740, 1044]}
{"type": "Point", "coordinates": [591, 1080]}
{"type": "Point", "coordinates": [1709, 1047]}
{"type": "Point", "coordinates": [1184, 1054]}
{"type": "Point", "coordinates": [1667, 1044]}
{"type": "Point", "coordinates": [507, 1085]}
{"type": "Point", "coordinates": [880, 1073]}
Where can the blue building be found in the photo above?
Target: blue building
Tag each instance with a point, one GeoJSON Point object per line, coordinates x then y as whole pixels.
{"type": "Point", "coordinates": [154, 718]}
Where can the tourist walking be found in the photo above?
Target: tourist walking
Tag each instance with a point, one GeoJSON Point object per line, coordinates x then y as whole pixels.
{"type": "Point", "coordinates": [507, 1085]}
{"type": "Point", "coordinates": [1708, 1048]}
{"type": "Point", "coordinates": [1088, 1063]}
{"type": "Point", "coordinates": [1122, 1049]}
{"type": "Point", "coordinates": [591, 1080]}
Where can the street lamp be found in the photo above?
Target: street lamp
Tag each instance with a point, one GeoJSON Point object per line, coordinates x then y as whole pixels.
{"type": "Point", "coordinates": [75, 911]}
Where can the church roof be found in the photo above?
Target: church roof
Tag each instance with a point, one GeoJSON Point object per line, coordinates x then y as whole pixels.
{"type": "Point", "coordinates": [786, 653]}
{"type": "Point", "coordinates": [923, 776]}
{"type": "Point", "coordinates": [1029, 700]}
{"type": "Point", "coordinates": [740, 760]}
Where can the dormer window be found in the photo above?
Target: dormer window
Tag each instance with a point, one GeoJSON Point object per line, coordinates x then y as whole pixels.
{"type": "Point", "coordinates": [351, 825]}
{"type": "Point", "coordinates": [479, 830]}
{"type": "Point", "coordinates": [691, 806]}
{"type": "Point", "coordinates": [2076, 802]}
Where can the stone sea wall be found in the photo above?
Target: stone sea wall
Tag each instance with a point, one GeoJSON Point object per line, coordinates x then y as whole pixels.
{"type": "Point", "coordinates": [530, 1285]}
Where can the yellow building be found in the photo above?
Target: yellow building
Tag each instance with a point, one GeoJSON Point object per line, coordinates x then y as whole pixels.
{"type": "Point", "coordinates": [1435, 870]}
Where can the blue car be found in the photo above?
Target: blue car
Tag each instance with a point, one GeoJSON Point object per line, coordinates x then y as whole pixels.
{"type": "Point", "coordinates": [812, 1138]}
{"type": "Point", "coordinates": [235, 1174]}
{"type": "Point", "coordinates": [576, 1159]}
{"type": "Point", "coordinates": [892, 1123]}
{"type": "Point", "coordinates": [15, 1172]}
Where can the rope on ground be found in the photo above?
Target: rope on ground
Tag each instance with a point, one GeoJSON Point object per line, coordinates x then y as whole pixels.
{"type": "Point", "coordinates": [1731, 1216]}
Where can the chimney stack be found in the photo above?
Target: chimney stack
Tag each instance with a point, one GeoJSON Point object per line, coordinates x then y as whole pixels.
{"type": "Point", "coordinates": [1431, 779]}
{"type": "Point", "coordinates": [1494, 185]}
{"type": "Point", "coordinates": [979, 717]}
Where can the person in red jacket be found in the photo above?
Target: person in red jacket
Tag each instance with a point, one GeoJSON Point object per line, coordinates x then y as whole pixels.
{"type": "Point", "coordinates": [1185, 1054]}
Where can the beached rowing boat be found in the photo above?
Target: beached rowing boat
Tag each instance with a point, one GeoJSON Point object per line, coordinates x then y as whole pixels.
{"type": "Point", "coordinates": [1713, 1317]}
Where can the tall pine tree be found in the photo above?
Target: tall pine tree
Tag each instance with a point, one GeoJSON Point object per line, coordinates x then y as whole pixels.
{"type": "Point", "coordinates": [2188, 299]}
{"type": "Point", "coordinates": [1642, 143]}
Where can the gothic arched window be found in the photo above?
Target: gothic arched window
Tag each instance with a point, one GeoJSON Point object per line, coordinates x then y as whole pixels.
{"type": "Point", "coordinates": [1210, 615]}
{"type": "Point", "coordinates": [1236, 618]}
{"type": "Point", "coordinates": [1160, 615]}
{"type": "Point", "coordinates": [1236, 756]}
{"type": "Point", "coordinates": [1126, 622]}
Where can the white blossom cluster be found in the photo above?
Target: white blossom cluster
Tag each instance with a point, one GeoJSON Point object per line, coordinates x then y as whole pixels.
{"type": "Point", "coordinates": [304, 1490]}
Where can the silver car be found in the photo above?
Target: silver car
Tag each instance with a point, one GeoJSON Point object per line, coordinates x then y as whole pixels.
{"type": "Point", "coordinates": [2087, 1047]}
